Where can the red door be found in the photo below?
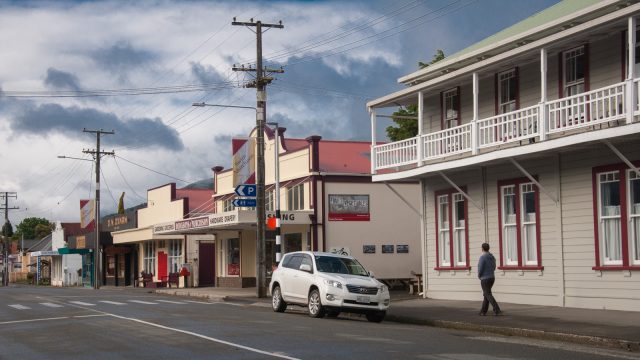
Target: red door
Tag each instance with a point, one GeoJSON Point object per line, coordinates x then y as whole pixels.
{"type": "Point", "coordinates": [162, 265]}
{"type": "Point", "coordinates": [207, 264]}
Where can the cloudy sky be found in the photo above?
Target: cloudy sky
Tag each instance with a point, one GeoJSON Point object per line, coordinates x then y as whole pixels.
{"type": "Point", "coordinates": [150, 60]}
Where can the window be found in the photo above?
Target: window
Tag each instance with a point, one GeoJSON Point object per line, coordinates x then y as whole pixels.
{"type": "Point", "coordinates": [451, 229]}
{"type": "Point", "coordinates": [626, 54]}
{"type": "Point", "coordinates": [634, 215]}
{"type": "Point", "coordinates": [270, 200]}
{"type": "Point", "coordinates": [616, 217]}
{"type": "Point", "coordinates": [519, 220]}
{"type": "Point", "coordinates": [574, 70]}
{"type": "Point", "coordinates": [450, 108]}
{"type": "Point", "coordinates": [175, 255]}
{"type": "Point", "coordinates": [295, 197]}
{"type": "Point", "coordinates": [227, 205]}
{"type": "Point", "coordinates": [149, 257]}
{"type": "Point", "coordinates": [233, 256]}
{"type": "Point", "coordinates": [507, 91]}
{"type": "Point", "coordinates": [292, 242]}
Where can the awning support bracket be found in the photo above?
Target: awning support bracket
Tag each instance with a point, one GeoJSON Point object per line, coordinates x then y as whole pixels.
{"type": "Point", "coordinates": [466, 196]}
{"type": "Point", "coordinates": [403, 199]}
{"type": "Point", "coordinates": [533, 180]}
{"type": "Point", "coordinates": [622, 157]}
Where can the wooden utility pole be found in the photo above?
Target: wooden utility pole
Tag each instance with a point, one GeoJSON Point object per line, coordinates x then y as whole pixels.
{"type": "Point", "coordinates": [97, 154]}
{"type": "Point", "coordinates": [5, 253]}
{"type": "Point", "coordinates": [260, 84]}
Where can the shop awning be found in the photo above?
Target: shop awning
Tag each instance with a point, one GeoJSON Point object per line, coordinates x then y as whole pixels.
{"type": "Point", "coordinates": [65, 251]}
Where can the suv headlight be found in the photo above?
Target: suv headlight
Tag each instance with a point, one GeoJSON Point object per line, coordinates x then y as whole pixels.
{"type": "Point", "coordinates": [333, 283]}
{"type": "Point", "coordinates": [383, 289]}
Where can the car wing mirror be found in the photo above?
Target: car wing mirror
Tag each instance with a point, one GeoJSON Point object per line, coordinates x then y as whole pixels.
{"type": "Point", "coordinates": [305, 267]}
{"type": "Point", "coordinates": [371, 274]}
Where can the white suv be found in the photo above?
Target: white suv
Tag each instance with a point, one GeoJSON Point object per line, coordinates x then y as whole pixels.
{"type": "Point", "coordinates": [327, 284]}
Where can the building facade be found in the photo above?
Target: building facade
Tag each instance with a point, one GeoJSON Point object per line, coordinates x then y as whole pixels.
{"type": "Point", "coordinates": [528, 140]}
{"type": "Point", "coordinates": [327, 203]}
{"type": "Point", "coordinates": [158, 254]}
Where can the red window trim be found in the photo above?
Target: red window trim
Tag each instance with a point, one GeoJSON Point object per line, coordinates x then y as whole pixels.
{"type": "Point", "coordinates": [530, 268]}
{"type": "Point", "coordinates": [449, 193]}
{"type": "Point", "coordinates": [457, 88]}
{"type": "Point", "coordinates": [517, 182]}
{"type": "Point", "coordinates": [622, 168]}
{"type": "Point", "coordinates": [561, 69]}
{"type": "Point", "coordinates": [496, 81]}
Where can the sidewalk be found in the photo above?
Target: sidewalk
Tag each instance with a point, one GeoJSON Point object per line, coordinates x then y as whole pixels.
{"type": "Point", "coordinates": [604, 328]}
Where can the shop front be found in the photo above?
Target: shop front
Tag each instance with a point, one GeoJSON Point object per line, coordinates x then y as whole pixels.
{"type": "Point", "coordinates": [120, 260]}
{"type": "Point", "coordinates": [235, 241]}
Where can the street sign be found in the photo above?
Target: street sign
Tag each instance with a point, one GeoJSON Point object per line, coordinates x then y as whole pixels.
{"type": "Point", "coordinates": [246, 190]}
{"type": "Point", "coordinates": [245, 202]}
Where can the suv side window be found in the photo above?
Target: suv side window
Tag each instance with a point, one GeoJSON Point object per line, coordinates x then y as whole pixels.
{"type": "Point", "coordinates": [294, 263]}
{"type": "Point", "coordinates": [306, 259]}
{"type": "Point", "coordinates": [287, 261]}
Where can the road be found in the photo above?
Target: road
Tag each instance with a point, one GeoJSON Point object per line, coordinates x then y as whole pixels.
{"type": "Point", "coordinates": [74, 323]}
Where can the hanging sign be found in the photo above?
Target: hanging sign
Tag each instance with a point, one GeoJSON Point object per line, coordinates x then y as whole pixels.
{"type": "Point", "coordinates": [243, 161]}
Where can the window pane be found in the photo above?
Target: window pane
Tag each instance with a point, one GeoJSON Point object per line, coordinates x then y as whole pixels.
{"type": "Point", "coordinates": [634, 213]}
{"type": "Point", "coordinates": [511, 242]}
{"type": "Point", "coordinates": [610, 222]}
{"type": "Point", "coordinates": [579, 64]}
{"type": "Point", "coordinates": [529, 205]}
{"type": "Point", "coordinates": [530, 239]}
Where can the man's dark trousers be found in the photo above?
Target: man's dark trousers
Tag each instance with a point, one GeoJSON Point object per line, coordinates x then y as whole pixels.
{"type": "Point", "coordinates": [487, 284]}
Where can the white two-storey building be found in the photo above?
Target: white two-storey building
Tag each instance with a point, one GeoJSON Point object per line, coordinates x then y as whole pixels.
{"type": "Point", "coordinates": [530, 140]}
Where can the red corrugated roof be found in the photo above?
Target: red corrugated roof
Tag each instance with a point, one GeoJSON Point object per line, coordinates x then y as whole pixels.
{"type": "Point", "coordinates": [295, 144]}
{"type": "Point", "coordinates": [199, 199]}
{"type": "Point", "coordinates": [352, 157]}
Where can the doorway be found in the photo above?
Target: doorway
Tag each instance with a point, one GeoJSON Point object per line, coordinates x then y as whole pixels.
{"type": "Point", "coordinates": [206, 264]}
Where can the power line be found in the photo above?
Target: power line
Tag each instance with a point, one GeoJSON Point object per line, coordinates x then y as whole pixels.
{"type": "Point", "coordinates": [125, 180]}
{"type": "Point", "coordinates": [155, 171]}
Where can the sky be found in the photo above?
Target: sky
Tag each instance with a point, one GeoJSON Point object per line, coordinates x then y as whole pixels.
{"type": "Point", "coordinates": [150, 60]}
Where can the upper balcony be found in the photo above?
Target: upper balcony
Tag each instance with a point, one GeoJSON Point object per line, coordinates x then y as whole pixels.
{"type": "Point", "coordinates": [568, 116]}
{"type": "Point", "coordinates": [569, 86]}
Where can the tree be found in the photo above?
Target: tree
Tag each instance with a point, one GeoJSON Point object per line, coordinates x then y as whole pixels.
{"type": "Point", "coordinates": [7, 229]}
{"type": "Point", "coordinates": [437, 57]}
{"type": "Point", "coordinates": [29, 228]}
{"type": "Point", "coordinates": [408, 127]}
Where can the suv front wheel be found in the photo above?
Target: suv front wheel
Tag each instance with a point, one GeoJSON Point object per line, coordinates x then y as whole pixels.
{"type": "Point", "coordinates": [376, 316]}
{"type": "Point", "coordinates": [316, 309]}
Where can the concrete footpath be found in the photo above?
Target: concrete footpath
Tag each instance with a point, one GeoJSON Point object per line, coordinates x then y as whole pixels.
{"type": "Point", "coordinates": [603, 328]}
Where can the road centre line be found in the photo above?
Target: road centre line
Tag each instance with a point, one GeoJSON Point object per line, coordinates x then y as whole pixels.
{"type": "Point", "coordinates": [200, 302]}
{"type": "Point", "coordinates": [19, 307]}
{"type": "Point", "coordinates": [112, 302]}
{"type": "Point", "coordinates": [82, 303]}
{"type": "Point", "coordinates": [207, 338]}
{"type": "Point", "coordinates": [258, 351]}
{"type": "Point", "coordinates": [171, 302]}
{"type": "Point", "coordinates": [143, 302]}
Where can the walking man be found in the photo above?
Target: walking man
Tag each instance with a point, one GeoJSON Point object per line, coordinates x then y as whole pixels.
{"type": "Point", "coordinates": [486, 268]}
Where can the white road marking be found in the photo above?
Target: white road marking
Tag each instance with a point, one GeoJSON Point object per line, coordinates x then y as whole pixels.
{"type": "Point", "coordinates": [143, 302]}
{"type": "Point", "coordinates": [32, 320]}
{"type": "Point", "coordinates": [82, 303]}
{"type": "Point", "coordinates": [199, 302]}
{"type": "Point", "coordinates": [208, 338]}
{"type": "Point", "coordinates": [87, 316]}
{"type": "Point", "coordinates": [48, 304]}
{"type": "Point", "coordinates": [172, 302]}
{"type": "Point", "coordinates": [19, 307]}
{"type": "Point", "coordinates": [111, 302]}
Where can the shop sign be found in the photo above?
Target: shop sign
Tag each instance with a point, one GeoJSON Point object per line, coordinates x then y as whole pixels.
{"type": "Point", "coordinates": [81, 242]}
{"type": "Point", "coordinates": [243, 159]}
{"type": "Point", "coordinates": [349, 208]}
{"type": "Point", "coordinates": [194, 223]}
{"type": "Point", "coordinates": [223, 219]}
{"type": "Point", "coordinates": [163, 228]}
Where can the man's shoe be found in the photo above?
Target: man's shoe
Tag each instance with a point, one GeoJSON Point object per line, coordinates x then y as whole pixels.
{"type": "Point", "coordinates": [482, 313]}
{"type": "Point", "coordinates": [498, 313]}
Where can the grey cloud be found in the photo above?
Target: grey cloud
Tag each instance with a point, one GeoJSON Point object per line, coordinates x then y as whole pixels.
{"type": "Point", "coordinates": [121, 57]}
{"type": "Point", "coordinates": [59, 79]}
{"type": "Point", "coordinates": [206, 74]}
{"type": "Point", "coordinates": [52, 118]}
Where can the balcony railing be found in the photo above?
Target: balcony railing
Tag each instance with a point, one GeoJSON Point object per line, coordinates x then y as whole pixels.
{"type": "Point", "coordinates": [552, 118]}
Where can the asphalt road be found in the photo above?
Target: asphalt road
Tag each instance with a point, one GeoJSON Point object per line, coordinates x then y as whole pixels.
{"type": "Point", "coordinates": [72, 323]}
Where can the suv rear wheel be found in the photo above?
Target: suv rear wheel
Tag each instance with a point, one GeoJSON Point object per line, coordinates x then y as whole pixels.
{"type": "Point", "coordinates": [376, 316]}
{"type": "Point", "coordinates": [277, 302]}
{"type": "Point", "coordinates": [316, 309]}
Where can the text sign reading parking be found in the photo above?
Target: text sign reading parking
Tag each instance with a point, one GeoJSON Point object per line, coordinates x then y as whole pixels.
{"type": "Point", "coordinates": [244, 203]}
{"type": "Point", "coordinates": [246, 190]}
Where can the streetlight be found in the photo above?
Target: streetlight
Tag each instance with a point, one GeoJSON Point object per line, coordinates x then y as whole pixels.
{"type": "Point", "coordinates": [261, 271]}
{"type": "Point", "coordinates": [277, 195]}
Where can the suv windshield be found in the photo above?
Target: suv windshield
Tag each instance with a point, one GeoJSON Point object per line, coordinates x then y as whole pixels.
{"type": "Point", "coordinates": [331, 264]}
